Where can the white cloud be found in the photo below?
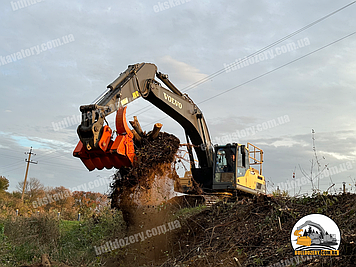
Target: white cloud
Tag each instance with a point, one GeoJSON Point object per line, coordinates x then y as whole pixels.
{"type": "Point", "coordinates": [183, 71]}
{"type": "Point", "coordinates": [337, 156]}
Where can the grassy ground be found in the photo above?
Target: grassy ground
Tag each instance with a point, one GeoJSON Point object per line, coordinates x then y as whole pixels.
{"type": "Point", "coordinates": [24, 240]}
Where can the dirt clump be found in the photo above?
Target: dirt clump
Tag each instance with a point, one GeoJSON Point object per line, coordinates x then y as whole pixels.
{"type": "Point", "coordinates": [140, 188]}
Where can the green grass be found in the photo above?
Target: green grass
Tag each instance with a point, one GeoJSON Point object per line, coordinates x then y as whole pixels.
{"type": "Point", "coordinates": [25, 239]}
{"type": "Point", "coordinates": [72, 242]}
{"type": "Point", "coordinates": [187, 212]}
{"type": "Point", "coordinates": [67, 226]}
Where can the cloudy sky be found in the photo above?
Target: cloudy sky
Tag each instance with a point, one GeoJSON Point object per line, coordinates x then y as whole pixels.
{"type": "Point", "coordinates": [308, 79]}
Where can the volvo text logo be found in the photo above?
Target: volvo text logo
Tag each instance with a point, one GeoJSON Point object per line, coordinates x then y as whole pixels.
{"type": "Point", "coordinates": [172, 100]}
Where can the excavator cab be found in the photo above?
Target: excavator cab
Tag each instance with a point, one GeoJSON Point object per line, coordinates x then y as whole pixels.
{"type": "Point", "coordinates": [233, 170]}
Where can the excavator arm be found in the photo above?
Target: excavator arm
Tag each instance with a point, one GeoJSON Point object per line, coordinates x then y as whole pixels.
{"type": "Point", "coordinates": [96, 147]}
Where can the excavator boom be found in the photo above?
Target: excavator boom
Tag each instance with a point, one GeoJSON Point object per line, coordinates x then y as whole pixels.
{"type": "Point", "coordinates": [96, 147]}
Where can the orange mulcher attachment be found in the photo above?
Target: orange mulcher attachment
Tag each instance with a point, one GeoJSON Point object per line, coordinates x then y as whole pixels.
{"type": "Point", "coordinates": [109, 154]}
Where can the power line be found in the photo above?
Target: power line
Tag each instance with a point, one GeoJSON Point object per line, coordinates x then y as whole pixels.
{"type": "Point", "coordinates": [221, 71]}
{"type": "Point", "coordinates": [9, 156]}
{"type": "Point", "coordinates": [282, 66]}
{"type": "Point", "coordinates": [12, 165]}
{"type": "Point", "coordinates": [266, 73]}
{"type": "Point", "coordinates": [67, 166]}
{"type": "Point", "coordinates": [58, 156]}
{"type": "Point", "coordinates": [269, 46]}
{"type": "Point", "coordinates": [11, 170]}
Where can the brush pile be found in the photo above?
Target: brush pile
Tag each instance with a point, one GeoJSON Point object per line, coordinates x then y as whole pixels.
{"type": "Point", "coordinates": [257, 232]}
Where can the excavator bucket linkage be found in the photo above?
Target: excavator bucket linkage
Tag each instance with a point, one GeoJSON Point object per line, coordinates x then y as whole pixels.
{"type": "Point", "coordinates": [110, 153]}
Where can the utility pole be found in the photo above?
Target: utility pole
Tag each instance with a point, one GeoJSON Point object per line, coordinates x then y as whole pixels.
{"type": "Point", "coordinates": [294, 184]}
{"type": "Point", "coordinates": [28, 165]}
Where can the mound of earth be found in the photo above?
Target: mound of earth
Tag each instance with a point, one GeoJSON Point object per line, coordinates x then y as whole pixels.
{"type": "Point", "coordinates": [138, 190]}
{"type": "Point", "coordinates": [257, 232]}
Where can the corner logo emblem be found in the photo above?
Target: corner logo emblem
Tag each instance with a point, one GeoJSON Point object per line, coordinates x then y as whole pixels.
{"type": "Point", "coordinates": [315, 234]}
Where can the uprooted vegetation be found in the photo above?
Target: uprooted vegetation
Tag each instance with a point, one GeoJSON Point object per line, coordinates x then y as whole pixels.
{"type": "Point", "coordinates": [150, 154]}
{"type": "Point", "coordinates": [257, 232]}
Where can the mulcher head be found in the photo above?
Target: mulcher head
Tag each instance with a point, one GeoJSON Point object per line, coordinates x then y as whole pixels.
{"type": "Point", "coordinates": [97, 149]}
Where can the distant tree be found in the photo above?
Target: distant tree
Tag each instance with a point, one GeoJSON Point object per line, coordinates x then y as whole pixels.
{"type": "Point", "coordinates": [60, 199]}
{"type": "Point", "coordinates": [4, 183]}
{"type": "Point", "coordinates": [88, 202]}
{"type": "Point", "coordinates": [16, 194]}
{"type": "Point", "coordinates": [34, 189]}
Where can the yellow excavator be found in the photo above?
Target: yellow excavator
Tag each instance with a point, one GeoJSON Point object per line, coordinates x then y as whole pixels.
{"type": "Point", "coordinates": [225, 169]}
{"type": "Point", "coordinates": [313, 238]}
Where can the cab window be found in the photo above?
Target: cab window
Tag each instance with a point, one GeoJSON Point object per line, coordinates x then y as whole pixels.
{"type": "Point", "coordinates": [226, 159]}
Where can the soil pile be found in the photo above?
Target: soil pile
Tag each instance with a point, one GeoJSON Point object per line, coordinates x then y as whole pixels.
{"type": "Point", "coordinates": [257, 232]}
{"type": "Point", "coordinates": [141, 192]}
{"type": "Point", "coordinates": [139, 189]}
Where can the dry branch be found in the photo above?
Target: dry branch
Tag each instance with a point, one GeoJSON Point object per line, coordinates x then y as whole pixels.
{"type": "Point", "coordinates": [136, 135]}
{"type": "Point", "coordinates": [154, 134]}
{"type": "Point", "coordinates": [136, 125]}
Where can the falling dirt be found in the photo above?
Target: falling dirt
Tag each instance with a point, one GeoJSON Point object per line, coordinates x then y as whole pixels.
{"type": "Point", "coordinates": [141, 188]}
{"type": "Point", "coordinates": [141, 191]}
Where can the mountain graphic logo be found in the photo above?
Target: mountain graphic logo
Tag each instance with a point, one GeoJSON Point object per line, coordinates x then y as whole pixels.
{"type": "Point", "coordinates": [316, 234]}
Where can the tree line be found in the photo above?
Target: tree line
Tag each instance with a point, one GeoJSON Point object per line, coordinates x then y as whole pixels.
{"type": "Point", "coordinates": [39, 198]}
